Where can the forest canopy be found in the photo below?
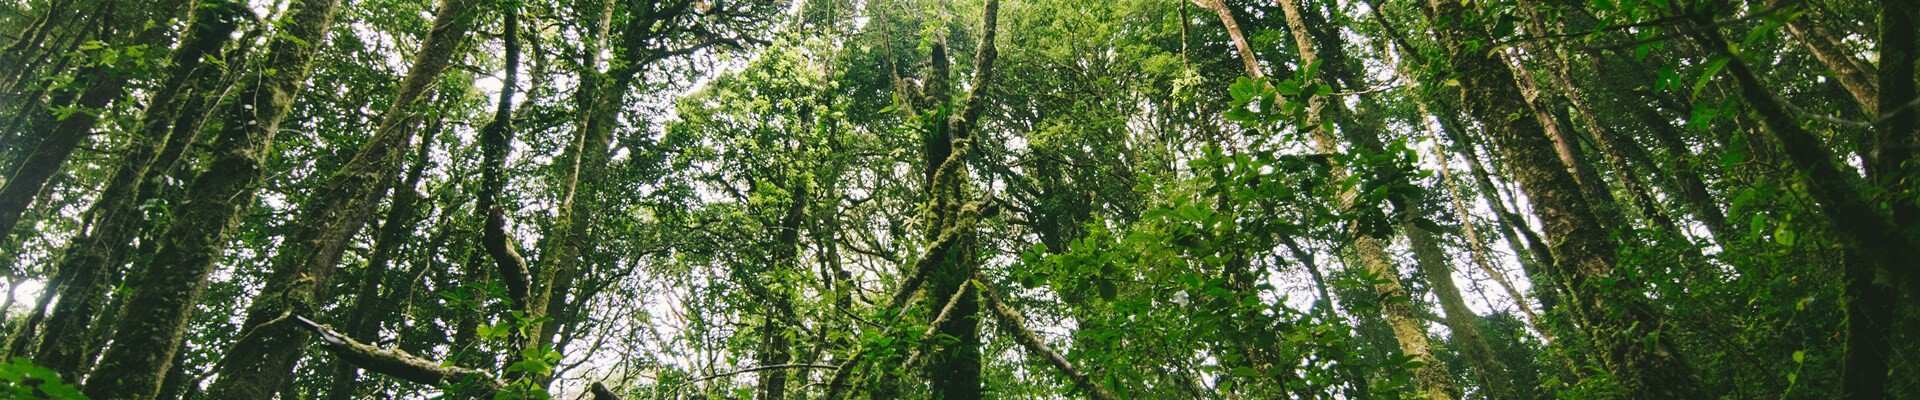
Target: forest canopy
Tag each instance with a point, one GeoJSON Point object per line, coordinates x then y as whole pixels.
{"type": "Point", "coordinates": [966, 199]}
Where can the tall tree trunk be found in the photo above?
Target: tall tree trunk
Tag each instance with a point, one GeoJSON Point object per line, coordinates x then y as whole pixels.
{"type": "Point", "coordinates": [1853, 74]}
{"type": "Point", "coordinates": [25, 182]}
{"type": "Point", "coordinates": [93, 259]}
{"type": "Point", "coordinates": [1248, 58]}
{"type": "Point", "coordinates": [1616, 313]}
{"type": "Point", "coordinates": [161, 299]}
{"type": "Point", "coordinates": [597, 103]}
{"type": "Point", "coordinates": [1896, 139]}
{"type": "Point", "coordinates": [1409, 330]}
{"type": "Point", "coordinates": [370, 301]}
{"type": "Point", "coordinates": [1477, 249]}
{"type": "Point", "coordinates": [323, 227]}
{"type": "Point", "coordinates": [775, 346]}
{"type": "Point", "coordinates": [955, 365]}
{"type": "Point", "coordinates": [1604, 205]}
{"type": "Point", "coordinates": [1872, 242]}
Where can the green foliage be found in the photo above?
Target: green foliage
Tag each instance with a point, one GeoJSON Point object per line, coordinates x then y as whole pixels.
{"type": "Point", "coordinates": [25, 380]}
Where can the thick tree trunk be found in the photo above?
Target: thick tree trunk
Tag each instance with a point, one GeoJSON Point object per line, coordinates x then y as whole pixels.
{"type": "Point", "coordinates": [1873, 246]}
{"type": "Point", "coordinates": [25, 182]}
{"type": "Point", "coordinates": [955, 366]}
{"type": "Point", "coordinates": [1616, 314]}
{"type": "Point", "coordinates": [93, 259]}
{"type": "Point", "coordinates": [162, 298]}
{"type": "Point", "coordinates": [1896, 139]}
{"type": "Point", "coordinates": [259, 363]}
{"type": "Point", "coordinates": [1604, 204]}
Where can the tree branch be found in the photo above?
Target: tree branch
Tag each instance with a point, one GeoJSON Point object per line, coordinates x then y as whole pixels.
{"type": "Point", "coordinates": [396, 363]}
{"type": "Point", "coordinates": [1013, 325]}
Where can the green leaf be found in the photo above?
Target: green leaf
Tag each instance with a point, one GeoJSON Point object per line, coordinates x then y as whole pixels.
{"type": "Point", "coordinates": [1800, 356]}
{"type": "Point", "coordinates": [1713, 68]}
{"type": "Point", "coordinates": [1244, 371]}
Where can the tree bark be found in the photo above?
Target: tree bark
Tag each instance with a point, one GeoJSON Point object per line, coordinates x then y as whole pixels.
{"type": "Point", "coordinates": [1896, 142]}
{"type": "Point", "coordinates": [93, 259]}
{"type": "Point", "coordinates": [370, 302]}
{"type": "Point", "coordinates": [26, 181]}
{"type": "Point", "coordinates": [161, 299]}
{"type": "Point", "coordinates": [1870, 239]}
{"type": "Point", "coordinates": [955, 366]}
{"type": "Point", "coordinates": [1248, 58]}
{"type": "Point", "coordinates": [1409, 330]}
{"type": "Point", "coordinates": [257, 365]}
{"type": "Point", "coordinates": [1615, 311]}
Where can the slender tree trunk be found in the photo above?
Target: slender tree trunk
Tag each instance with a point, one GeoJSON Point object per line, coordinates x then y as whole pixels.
{"type": "Point", "coordinates": [1477, 249]}
{"type": "Point", "coordinates": [1604, 204]}
{"type": "Point", "coordinates": [370, 302]}
{"type": "Point", "coordinates": [597, 104]}
{"type": "Point", "coordinates": [1853, 74]}
{"type": "Point", "coordinates": [1409, 330]}
{"type": "Point", "coordinates": [1685, 174]}
{"type": "Point", "coordinates": [258, 364]}
{"type": "Point", "coordinates": [1248, 58]}
{"type": "Point", "coordinates": [1617, 315]}
{"type": "Point", "coordinates": [775, 346]}
{"type": "Point", "coordinates": [161, 300]}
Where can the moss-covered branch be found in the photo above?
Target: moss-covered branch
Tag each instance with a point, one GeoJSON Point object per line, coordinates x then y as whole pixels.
{"type": "Point", "coordinates": [396, 363]}
{"type": "Point", "coordinates": [1013, 326]}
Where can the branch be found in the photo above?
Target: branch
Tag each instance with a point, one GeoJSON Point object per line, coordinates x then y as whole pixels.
{"type": "Point", "coordinates": [396, 363]}
{"type": "Point", "coordinates": [757, 369]}
{"type": "Point", "coordinates": [1233, 31]}
{"type": "Point", "coordinates": [1012, 324]}
{"type": "Point", "coordinates": [933, 327]}
{"type": "Point", "coordinates": [963, 123]}
{"type": "Point", "coordinates": [969, 216]}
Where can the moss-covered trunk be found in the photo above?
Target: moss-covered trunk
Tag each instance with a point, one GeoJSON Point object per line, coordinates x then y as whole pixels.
{"type": "Point", "coordinates": [323, 227]}
{"type": "Point", "coordinates": [370, 301]}
{"type": "Point", "coordinates": [105, 85]}
{"type": "Point", "coordinates": [92, 260]}
{"type": "Point", "coordinates": [161, 300]}
{"type": "Point", "coordinates": [1370, 247]}
{"type": "Point", "coordinates": [1615, 313]}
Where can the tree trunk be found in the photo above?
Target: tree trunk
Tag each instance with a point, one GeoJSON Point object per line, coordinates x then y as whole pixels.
{"type": "Point", "coordinates": [161, 299]}
{"type": "Point", "coordinates": [1617, 315]}
{"type": "Point", "coordinates": [1409, 330]}
{"type": "Point", "coordinates": [955, 366]}
{"type": "Point", "coordinates": [1872, 244]}
{"type": "Point", "coordinates": [1895, 141]}
{"type": "Point", "coordinates": [27, 180]}
{"type": "Point", "coordinates": [1248, 58]}
{"type": "Point", "coordinates": [1853, 74]}
{"type": "Point", "coordinates": [775, 346]}
{"type": "Point", "coordinates": [259, 363]}
{"type": "Point", "coordinates": [1477, 249]}
{"type": "Point", "coordinates": [369, 304]}
{"type": "Point", "coordinates": [93, 259]}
